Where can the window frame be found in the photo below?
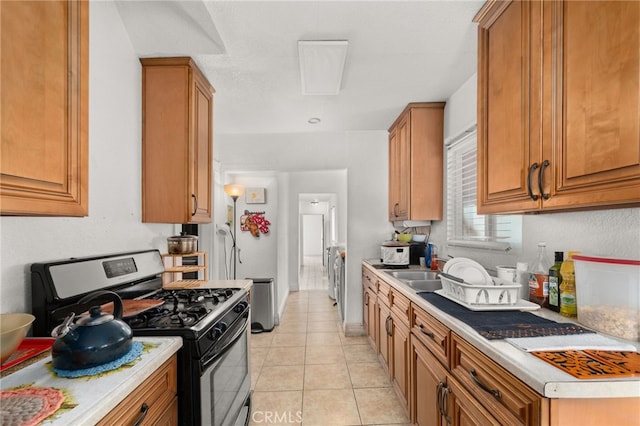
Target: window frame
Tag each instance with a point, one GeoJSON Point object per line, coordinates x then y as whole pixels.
{"type": "Point", "coordinates": [462, 178]}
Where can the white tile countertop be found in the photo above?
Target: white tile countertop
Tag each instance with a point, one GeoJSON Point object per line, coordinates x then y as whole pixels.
{"type": "Point", "coordinates": [547, 380]}
{"type": "Point", "coordinates": [93, 397]}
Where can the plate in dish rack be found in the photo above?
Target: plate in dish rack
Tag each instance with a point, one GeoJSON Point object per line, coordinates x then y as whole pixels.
{"type": "Point", "coordinates": [469, 270]}
{"type": "Point", "coordinates": [520, 305]}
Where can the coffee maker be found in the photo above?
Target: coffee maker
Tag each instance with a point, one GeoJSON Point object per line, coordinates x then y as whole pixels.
{"type": "Point", "coordinates": [416, 251]}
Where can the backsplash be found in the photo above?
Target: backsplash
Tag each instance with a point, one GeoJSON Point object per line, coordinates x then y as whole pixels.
{"type": "Point", "coordinates": [608, 233]}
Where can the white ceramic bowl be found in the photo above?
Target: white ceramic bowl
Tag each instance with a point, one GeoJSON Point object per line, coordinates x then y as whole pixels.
{"type": "Point", "coordinates": [13, 328]}
{"type": "Point", "coordinates": [419, 238]}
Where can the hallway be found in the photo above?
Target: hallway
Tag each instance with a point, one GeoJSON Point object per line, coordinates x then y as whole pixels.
{"type": "Point", "coordinates": [313, 274]}
{"type": "Point", "coordinates": [307, 372]}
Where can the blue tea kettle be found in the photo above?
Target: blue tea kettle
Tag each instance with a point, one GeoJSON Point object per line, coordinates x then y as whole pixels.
{"type": "Point", "coordinates": [93, 339]}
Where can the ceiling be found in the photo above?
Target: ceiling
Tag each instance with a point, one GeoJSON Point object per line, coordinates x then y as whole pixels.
{"type": "Point", "coordinates": [399, 52]}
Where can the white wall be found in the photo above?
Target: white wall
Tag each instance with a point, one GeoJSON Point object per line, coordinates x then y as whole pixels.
{"type": "Point", "coordinates": [612, 233]}
{"type": "Point", "coordinates": [114, 221]}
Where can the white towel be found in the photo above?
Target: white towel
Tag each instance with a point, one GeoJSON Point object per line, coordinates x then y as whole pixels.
{"type": "Point", "coordinates": [575, 342]}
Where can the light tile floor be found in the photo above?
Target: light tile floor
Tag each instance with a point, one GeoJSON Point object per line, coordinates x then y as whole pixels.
{"type": "Point", "coordinates": [313, 274]}
{"type": "Point", "coordinates": [306, 372]}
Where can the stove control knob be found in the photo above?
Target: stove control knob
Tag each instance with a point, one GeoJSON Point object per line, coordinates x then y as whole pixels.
{"type": "Point", "coordinates": [218, 330]}
{"type": "Point", "coordinates": [240, 307]}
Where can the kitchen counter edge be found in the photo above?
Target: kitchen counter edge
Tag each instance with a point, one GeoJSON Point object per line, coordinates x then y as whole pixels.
{"type": "Point", "coordinates": [547, 380]}
{"type": "Point", "coordinates": [165, 349]}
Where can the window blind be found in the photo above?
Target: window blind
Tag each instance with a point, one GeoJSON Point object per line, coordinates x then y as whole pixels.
{"type": "Point", "coordinates": [464, 226]}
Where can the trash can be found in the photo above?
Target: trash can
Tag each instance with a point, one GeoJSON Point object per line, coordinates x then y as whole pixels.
{"type": "Point", "coordinates": [263, 305]}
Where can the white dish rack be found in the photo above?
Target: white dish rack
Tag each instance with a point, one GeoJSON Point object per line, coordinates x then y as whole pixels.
{"type": "Point", "coordinates": [503, 292]}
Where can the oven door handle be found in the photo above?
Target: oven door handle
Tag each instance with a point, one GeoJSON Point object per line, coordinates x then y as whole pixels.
{"type": "Point", "coordinates": [219, 353]}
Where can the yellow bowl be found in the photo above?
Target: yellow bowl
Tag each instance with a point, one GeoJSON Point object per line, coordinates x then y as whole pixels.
{"type": "Point", "coordinates": [405, 238]}
{"type": "Point", "coordinates": [13, 328]}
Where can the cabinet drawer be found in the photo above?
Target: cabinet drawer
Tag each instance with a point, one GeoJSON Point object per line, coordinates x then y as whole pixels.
{"type": "Point", "coordinates": [507, 398]}
{"type": "Point", "coordinates": [154, 395]}
{"type": "Point", "coordinates": [384, 293]}
{"type": "Point", "coordinates": [400, 306]}
{"type": "Point", "coordinates": [431, 332]}
{"type": "Point", "coordinates": [369, 279]}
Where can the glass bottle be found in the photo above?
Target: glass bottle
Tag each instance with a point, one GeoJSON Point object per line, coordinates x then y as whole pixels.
{"type": "Point", "coordinates": [568, 305]}
{"type": "Point", "coordinates": [434, 259]}
{"type": "Point", "coordinates": [539, 277]}
{"type": "Point", "coordinates": [555, 279]}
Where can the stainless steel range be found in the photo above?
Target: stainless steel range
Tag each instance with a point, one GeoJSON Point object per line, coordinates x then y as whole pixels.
{"type": "Point", "coordinates": [213, 366]}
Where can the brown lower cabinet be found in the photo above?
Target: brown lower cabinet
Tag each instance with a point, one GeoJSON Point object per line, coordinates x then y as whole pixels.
{"type": "Point", "coordinates": [154, 402]}
{"type": "Point", "coordinates": [441, 379]}
{"type": "Point", "coordinates": [437, 398]}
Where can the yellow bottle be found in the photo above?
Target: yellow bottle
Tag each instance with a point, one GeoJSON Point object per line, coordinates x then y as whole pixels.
{"type": "Point", "coordinates": [568, 306]}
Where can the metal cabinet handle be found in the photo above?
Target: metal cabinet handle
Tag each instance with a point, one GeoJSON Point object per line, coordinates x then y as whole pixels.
{"type": "Point", "coordinates": [532, 168]}
{"type": "Point", "coordinates": [195, 204]}
{"type": "Point", "coordinates": [144, 409]}
{"type": "Point", "coordinates": [395, 209]}
{"type": "Point", "coordinates": [387, 325]}
{"type": "Point", "coordinates": [495, 392]}
{"type": "Point", "coordinates": [442, 395]}
{"type": "Point", "coordinates": [425, 332]}
{"type": "Point", "coordinates": [544, 165]}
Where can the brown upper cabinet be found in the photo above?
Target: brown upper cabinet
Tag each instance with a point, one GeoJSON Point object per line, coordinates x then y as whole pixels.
{"type": "Point", "coordinates": [415, 163]}
{"type": "Point", "coordinates": [558, 105]}
{"type": "Point", "coordinates": [177, 142]}
{"type": "Point", "coordinates": [44, 114]}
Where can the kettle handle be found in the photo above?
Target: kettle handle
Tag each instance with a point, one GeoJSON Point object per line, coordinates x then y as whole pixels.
{"type": "Point", "coordinates": [117, 301]}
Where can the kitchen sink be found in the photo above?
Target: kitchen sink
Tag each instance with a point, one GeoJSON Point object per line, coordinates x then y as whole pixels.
{"type": "Point", "coordinates": [414, 275]}
{"type": "Point", "coordinates": [425, 285]}
{"type": "Point", "coordinates": [418, 280]}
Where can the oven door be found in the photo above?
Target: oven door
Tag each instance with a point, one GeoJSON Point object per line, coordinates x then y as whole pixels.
{"type": "Point", "coordinates": [225, 384]}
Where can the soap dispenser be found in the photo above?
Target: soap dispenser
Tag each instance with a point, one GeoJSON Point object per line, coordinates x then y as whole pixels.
{"type": "Point", "coordinates": [428, 255]}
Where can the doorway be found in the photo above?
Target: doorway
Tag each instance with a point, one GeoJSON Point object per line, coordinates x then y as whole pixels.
{"type": "Point", "coordinates": [312, 271]}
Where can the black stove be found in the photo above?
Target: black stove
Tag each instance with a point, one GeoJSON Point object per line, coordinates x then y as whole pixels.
{"type": "Point", "coordinates": [211, 321]}
{"type": "Point", "coordinates": [186, 311]}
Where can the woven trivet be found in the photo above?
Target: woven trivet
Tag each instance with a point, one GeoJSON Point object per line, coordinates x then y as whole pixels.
{"type": "Point", "coordinates": [132, 355]}
{"type": "Point", "coordinates": [28, 406]}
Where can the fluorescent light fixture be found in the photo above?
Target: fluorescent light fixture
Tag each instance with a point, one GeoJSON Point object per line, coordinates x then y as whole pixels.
{"type": "Point", "coordinates": [322, 65]}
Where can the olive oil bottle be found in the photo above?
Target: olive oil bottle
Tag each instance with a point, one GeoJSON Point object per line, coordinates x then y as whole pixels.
{"type": "Point", "coordinates": [568, 305]}
{"type": "Point", "coordinates": [555, 279]}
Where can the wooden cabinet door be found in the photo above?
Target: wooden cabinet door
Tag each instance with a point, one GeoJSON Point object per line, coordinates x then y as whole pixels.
{"type": "Point", "coordinates": [594, 148]}
{"type": "Point", "coordinates": [384, 334]}
{"type": "Point", "coordinates": [562, 132]}
{"type": "Point", "coordinates": [44, 112]}
{"type": "Point", "coordinates": [400, 357]}
{"type": "Point", "coordinates": [177, 144]}
{"type": "Point", "coordinates": [428, 379]}
{"type": "Point", "coordinates": [202, 160]}
{"type": "Point", "coordinates": [507, 152]}
{"type": "Point", "coordinates": [372, 312]}
{"type": "Point", "coordinates": [399, 171]}
{"type": "Point", "coordinates": [404, 168]}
